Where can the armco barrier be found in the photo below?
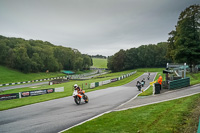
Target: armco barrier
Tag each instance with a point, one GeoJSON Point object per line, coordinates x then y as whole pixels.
{"type": "Point", "coordinates": [33, 81]}
{"type": "Point", "coordinates": [100, 83]}
{"type": "Point", "coordinates": [30, 93]}
{"type": "Point", "coordinates": [96, 84]}
{"type": "Point", "coordinates": [9, 96]}
{"type": "Point", "coordinates": [68, 76]}
{"type": "Point", "coordinates": [92, 85]}
{"type": "Point", "coordinates": [59, 89]}
{"type": "Point", "coordinates": [180, 83]}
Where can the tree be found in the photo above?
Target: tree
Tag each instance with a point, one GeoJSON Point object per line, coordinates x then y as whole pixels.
{"type": "Point", "coordinates": [184, 43]}
{"type": "Point", "coordinates": [22, 61]}
{"type": "Point", "coordinates": [110, 63]}
{"type": "Point", "coordinates": [86, 61]}
{"type": "Point", "coordinates": [118, 61]}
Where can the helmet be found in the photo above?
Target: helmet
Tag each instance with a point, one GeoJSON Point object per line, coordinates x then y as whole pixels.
{"type": "Point", "coordinates": [75, 85]}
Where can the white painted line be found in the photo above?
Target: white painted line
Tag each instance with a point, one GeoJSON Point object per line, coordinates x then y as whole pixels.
{"type": "Point", "coordinates": [157, 102]}
{"type": "Point", "coordinates": [136, 95]}
{"type": "Point", "coordinates": [85, 121]}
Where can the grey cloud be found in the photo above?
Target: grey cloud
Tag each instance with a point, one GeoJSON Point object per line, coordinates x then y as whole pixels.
{"type": "Point", "coordinates": [92, 26]}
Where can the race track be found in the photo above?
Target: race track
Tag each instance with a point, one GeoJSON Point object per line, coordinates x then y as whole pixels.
{"type": "Point", "coordinates": [56, 115]}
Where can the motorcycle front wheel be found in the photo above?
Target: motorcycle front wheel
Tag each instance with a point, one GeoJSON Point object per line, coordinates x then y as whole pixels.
{"type": "Point", "coordinates": [77, 100]}
{"type": "Point", "coordinates": [86, 99]}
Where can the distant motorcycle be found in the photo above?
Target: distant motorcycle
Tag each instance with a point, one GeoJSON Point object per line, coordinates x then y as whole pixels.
{"type": "Point", "coordinates": [139, 85]}
{"type": "Point", "coordinates": [78, 97]}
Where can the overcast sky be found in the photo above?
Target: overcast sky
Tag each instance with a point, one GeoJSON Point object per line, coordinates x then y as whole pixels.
{"type": "Point", "coordinates": [92, 26]}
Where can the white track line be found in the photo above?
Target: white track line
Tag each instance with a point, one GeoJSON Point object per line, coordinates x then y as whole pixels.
{"type": "Point", "coordinates": [157, 102]}
{"type": "Point", "coordinates": [136, 95]}
{"type": "Point", "coordinates": [86, 121]}
{"type": "Point", "coordinates": [91, 118]}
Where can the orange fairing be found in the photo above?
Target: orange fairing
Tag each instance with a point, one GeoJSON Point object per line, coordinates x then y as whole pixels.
{"type": "Point", "coordinates": [83, 91]}
{"type": "Point", "coordinates": [79, 95]}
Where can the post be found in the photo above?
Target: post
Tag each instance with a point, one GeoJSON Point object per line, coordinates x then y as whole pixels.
{"type": "Point", "coordinates": [184, 70]}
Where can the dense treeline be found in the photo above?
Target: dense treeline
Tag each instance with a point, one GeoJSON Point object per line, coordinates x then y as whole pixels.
{"type": "Point", "coordinates": [144, 56]}
{"type": "Point", "coordinates": [38, 56]}
{"type": "Point", "coordinates": [98, 56]}
{"type": "Point", "coordinates": [183, 46]}
{"type": "Point", "coordinates": [184, 41]}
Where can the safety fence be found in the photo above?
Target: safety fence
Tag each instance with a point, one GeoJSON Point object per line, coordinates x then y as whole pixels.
{"type": "Point", "coordinates": [180, 83]}
{"type": "Point", "coordinates": [30, 93]}
{"type": "Point", "coordinates": [77, 76]}
{"type": "Point", "coordinates": [96, 84]}
{"type": "Point", "coordinates": [38, 80]}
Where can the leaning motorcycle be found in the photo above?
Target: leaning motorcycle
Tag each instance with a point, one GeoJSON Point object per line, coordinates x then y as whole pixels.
{"type": "Point", "coordinates": [78, 97]}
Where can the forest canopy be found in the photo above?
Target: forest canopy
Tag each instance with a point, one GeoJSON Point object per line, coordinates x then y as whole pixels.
{"type": "Point", "coordinates": [144, 56]}
{"type": "Point", "coordinates": [38, 56]}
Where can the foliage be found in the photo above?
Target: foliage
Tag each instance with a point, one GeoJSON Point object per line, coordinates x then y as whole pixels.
{"type": "Point", "coordinates": [185, 39]}
{"type": "Point", "coordinates": [38, 56]}
{"type": "Point", "coordinates": [143, 56]}
{"type": "Point", "coordinates": [98, 56]}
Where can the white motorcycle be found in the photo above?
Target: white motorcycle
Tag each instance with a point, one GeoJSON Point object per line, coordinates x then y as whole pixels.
{"type": "Point", "coordinates": [78, 97]}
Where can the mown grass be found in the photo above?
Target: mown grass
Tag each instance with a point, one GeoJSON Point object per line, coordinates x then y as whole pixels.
{"type": "Point", "coordinates": [166, 117]}
{"type": "Point", "coordinates": [194, 78]}
{"type": "Point", "coordinates": [99, 62]}
{"type": "Point", "coordinates": [8, 104]}
{"type": "Point", "coordinates": [11, 76]}
{"type": "Point", "coordinates": [148, 92]}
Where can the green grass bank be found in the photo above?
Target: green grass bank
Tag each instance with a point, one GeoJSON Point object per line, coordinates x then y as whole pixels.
{"type": "Point", "coordinates": [175, 116]}
{"type": "Point", "coordinates": [8, 75]}
{"type": "Point", "coordinates": [99, 62]}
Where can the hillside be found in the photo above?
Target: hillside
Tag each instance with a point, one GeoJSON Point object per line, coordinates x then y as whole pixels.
{"type": "Point", "coordinates": [10, 76]}
{"type": "Point", "coordinates": [30, 56]}
{"type": "Point", "coordinates": [99, 62]}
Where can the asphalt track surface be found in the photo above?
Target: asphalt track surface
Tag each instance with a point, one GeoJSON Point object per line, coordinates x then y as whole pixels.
{"type": "Point", "coordinates": [56, 115]}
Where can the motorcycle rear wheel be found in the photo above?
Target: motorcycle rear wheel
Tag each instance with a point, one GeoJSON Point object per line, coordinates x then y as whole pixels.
{"type": "Point", "coordinates": [77, 100]}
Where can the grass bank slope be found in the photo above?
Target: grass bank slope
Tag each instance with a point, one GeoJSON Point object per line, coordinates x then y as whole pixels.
{"type": "Point", "coordinates": [99, 62]}
{"type": "Point", "coordinates": [10, 76]}
{"type": "Point", "coordinates": [175, 116]}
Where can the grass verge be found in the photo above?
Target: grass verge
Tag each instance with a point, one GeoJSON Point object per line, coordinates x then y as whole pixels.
{"type": "Point", "coordinates": [167, 117]}
{"type": "Point", "coordinates": [11, 76]}
{"type": "Point", "coordinates": [194, 78]}
{"type": "Point", "coordinates": [148, 92]}
{"type": "Point", "coordinates": [8, 104]}
{"type": "Point", "coordinates": [99, 62]}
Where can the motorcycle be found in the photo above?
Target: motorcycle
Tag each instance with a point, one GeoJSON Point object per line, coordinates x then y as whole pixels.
{"type": "Point", "coordinates": [78, 97]}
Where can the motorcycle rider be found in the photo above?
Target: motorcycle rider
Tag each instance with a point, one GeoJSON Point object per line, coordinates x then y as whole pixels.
{"type": "Point", "coordinates": [80, 91]}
